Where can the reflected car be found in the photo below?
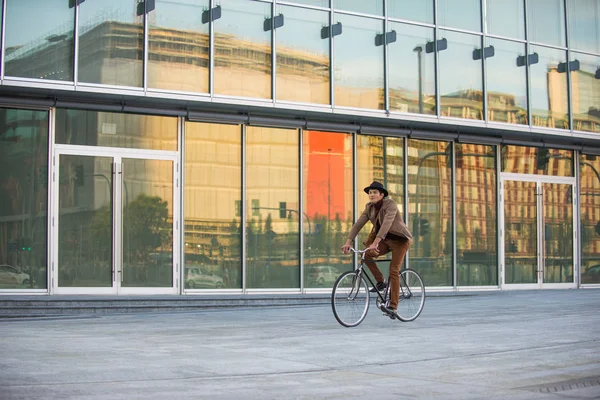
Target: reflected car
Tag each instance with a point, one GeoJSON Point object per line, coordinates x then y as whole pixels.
{"type": "Point", "coordinates": [591, 275]}
{"type": "Point", "coordinates": [322, 275]}
{"type": "Point", "coordinates": [198, 277]}
{"type": "Point", "coordinates": [12, 275]}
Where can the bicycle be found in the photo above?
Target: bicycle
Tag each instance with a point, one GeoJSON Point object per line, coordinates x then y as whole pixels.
{"type": "Point", "coordinates": [350, 296]}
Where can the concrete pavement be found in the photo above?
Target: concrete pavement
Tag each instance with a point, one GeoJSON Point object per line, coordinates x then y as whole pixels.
{"type": "Point", "coordinates": [509, 345]}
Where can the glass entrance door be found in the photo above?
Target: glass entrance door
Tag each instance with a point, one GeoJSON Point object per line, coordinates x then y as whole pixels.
{"type": "Point", "coordinates": [115, 226]}
{"type": "Point", "coordinates": [538, 232]}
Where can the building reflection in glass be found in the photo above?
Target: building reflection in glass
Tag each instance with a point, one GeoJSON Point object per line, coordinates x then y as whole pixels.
{"type": "Point", "coordinates": [23, 198]}
{"type": "Point", "coordinates": [328, 206]}
{"type": "Point", "coordinates": [430, 208]}
{"type": "Point", "coordinates": [476, 232]}
{"type": "Point", "coordinates": [585, 93]}
{"type": "Point", "coordinates": [273, 191]}
{"type": "Point", "coordinates": [212, 201]}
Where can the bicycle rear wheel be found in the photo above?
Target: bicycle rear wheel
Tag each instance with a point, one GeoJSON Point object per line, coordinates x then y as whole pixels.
{"type": "Point", "coordinates": [412, 295]}
{"type": "Point", "coordinates": [350, 299]}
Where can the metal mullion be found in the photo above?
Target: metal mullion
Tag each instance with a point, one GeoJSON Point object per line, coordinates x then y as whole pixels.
{"type": "Point", "coordinates": [500, 220]}
{"type": "Point", "coordinates": [76, 49]}
{"type": "Point", "coordinates": [301, 204]}
{"type": "Point", "coordinates": [405, 194]}
{"type": "Point", "coordinates": [354, 186]}
{"type": "Point", "coordinates": [527, 68]}
{"type": "Point", "coordinates": [243, 208]}
{"type": "Point", "coordinates": [211, 53]}
{"type": "Point", "coordinates": [386, 61]}
{"type": "Point", "coordinates": [568, 61]}
{"type": "Point", "coordinates": [541, 234]}
{"type": "Point", "coordinates": [436, 60]}
{"type": "Point", "coordinates": [332, 58]}
{"type": "Point", "coordinates": [273, 52]}
{"type": "Point", "coordinates": [3, 21]}
{"type": "Point", "coordinates": [454, 244]}
{"type": "Point", "coordinates": [181, 203]}
{"type": "Point", "coordinates": [578, 247]}
{"type": "Point", "coordinates": [146, 50]}
{"type": "Point", "coordinates": [52, 184]}
{"type": "Point", "coordinates": [117, 219]}
{"type": "Point", "coordinates": [483, 8]}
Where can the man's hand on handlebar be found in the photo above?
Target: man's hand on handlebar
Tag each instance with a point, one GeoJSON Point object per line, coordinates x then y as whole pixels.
{"type": "Point", "coordinates": [346, 247]}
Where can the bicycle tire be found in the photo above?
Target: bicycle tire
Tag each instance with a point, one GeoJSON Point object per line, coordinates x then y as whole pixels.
{"type": "Point", "coordinates": [412, 295]}
{"type": "Point", "coordinates": [350, 299]}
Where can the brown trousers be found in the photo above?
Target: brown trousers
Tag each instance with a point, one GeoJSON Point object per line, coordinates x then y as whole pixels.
{"type": "Point", "coordinates": [398, 249]}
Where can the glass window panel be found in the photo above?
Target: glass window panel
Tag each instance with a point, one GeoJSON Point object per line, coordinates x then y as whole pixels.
{"type": "Point", "coordinates": [39, 39]}
{"type": "Point", "coordinates": [273, 240]}
{"type": "Point", "coordinates": [476, 233]}
{"type": "Point", "coordinates": [379, 159]}
{"type": "Point", "coordinates": [421, 11]}
{"type": "Point", "coordinates": [111, 43]}
{"type": "Point", "coordinates": [461, 77]}
{"type": "Point", "coordinates": [506, 18]}
{"type": "Point", "coordinates": [549, 105]}
{"type": "Point", "coordinates": [584, 25]}
{"type": "Point", "coordinates": [242, 50]}
{"type": "Point", "coordinates": [558, 232]}
{"type": "Point", "coordinates": [328, 204]}
{"type": "Point", "coordinates": [585, 93]}
{"type": "Point", "coordinates": [412, 70]}
{"type": "Point", "coordinates": [93, 128]}
{"type": "Point", "coordinates": [147, 218]}
{"type": "Point", "coordinates": [178, 41]}
{"type": "Point", "coordinates": [303, 56]}
{"type": "Point", "coordinates": [589, 200]}
{"type": "Point", "coordinates": [506, 83]}
{"type": "Point", "coordinates": [374, 7]}
{"type": "Point", "coordinates": [23, 199]}
{"type": "Point", "coordinates": [521, 232]}
{"type": "Point", "coordinates": [546, 21]}
{"type": "Point", "coordinates": [535, 160]}
{"type": "Point", "coordinates": [358, 80]}
{"type": "Point", "coordinates": [462, 14]}
{"type": "Point", "coordinates": [430, 210]}
{"type": "Point", "coordinates": [85, 221]}
{"type": "Point", "coordinates": [212, 191]}
{"type": "Point", "coordinates": [317, 3]}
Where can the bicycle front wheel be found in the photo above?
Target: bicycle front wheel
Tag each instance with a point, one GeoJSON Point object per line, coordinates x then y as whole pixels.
{"type": "Point", "coordinates": [350, 299]}
{"type": "Point", "coordinates": [412, 295]}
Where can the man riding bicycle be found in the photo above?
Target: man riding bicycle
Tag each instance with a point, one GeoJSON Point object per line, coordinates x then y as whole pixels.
{"type": "Point", "coordinates": [389, 233]}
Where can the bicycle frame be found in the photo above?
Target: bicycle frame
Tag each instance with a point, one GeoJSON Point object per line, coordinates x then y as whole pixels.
{"type": "Point", "coordinates": [382, 297]}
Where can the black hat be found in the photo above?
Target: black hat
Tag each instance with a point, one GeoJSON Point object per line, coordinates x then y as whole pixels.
{"type": "Point", "coordinates": [377, 186]}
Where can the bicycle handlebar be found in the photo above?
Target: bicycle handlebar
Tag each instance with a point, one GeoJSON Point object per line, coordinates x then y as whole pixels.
{"type": "Point", "coordinates": [352, 249]}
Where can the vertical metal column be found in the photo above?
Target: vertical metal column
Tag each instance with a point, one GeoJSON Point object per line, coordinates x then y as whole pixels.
{"type": "Point", "coordinates": [243, 209]}
{"type": "Point", "coordinates": [301, 205]}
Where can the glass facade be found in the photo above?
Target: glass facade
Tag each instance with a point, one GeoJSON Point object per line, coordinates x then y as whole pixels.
{"type": "Point", "coordinates": [223, 145]}
{"type": "Point", "coordinates": [472, 57]}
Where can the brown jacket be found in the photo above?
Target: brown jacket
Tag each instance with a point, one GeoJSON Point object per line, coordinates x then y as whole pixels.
{"type": "Point", "coordinates": [389, 218]}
